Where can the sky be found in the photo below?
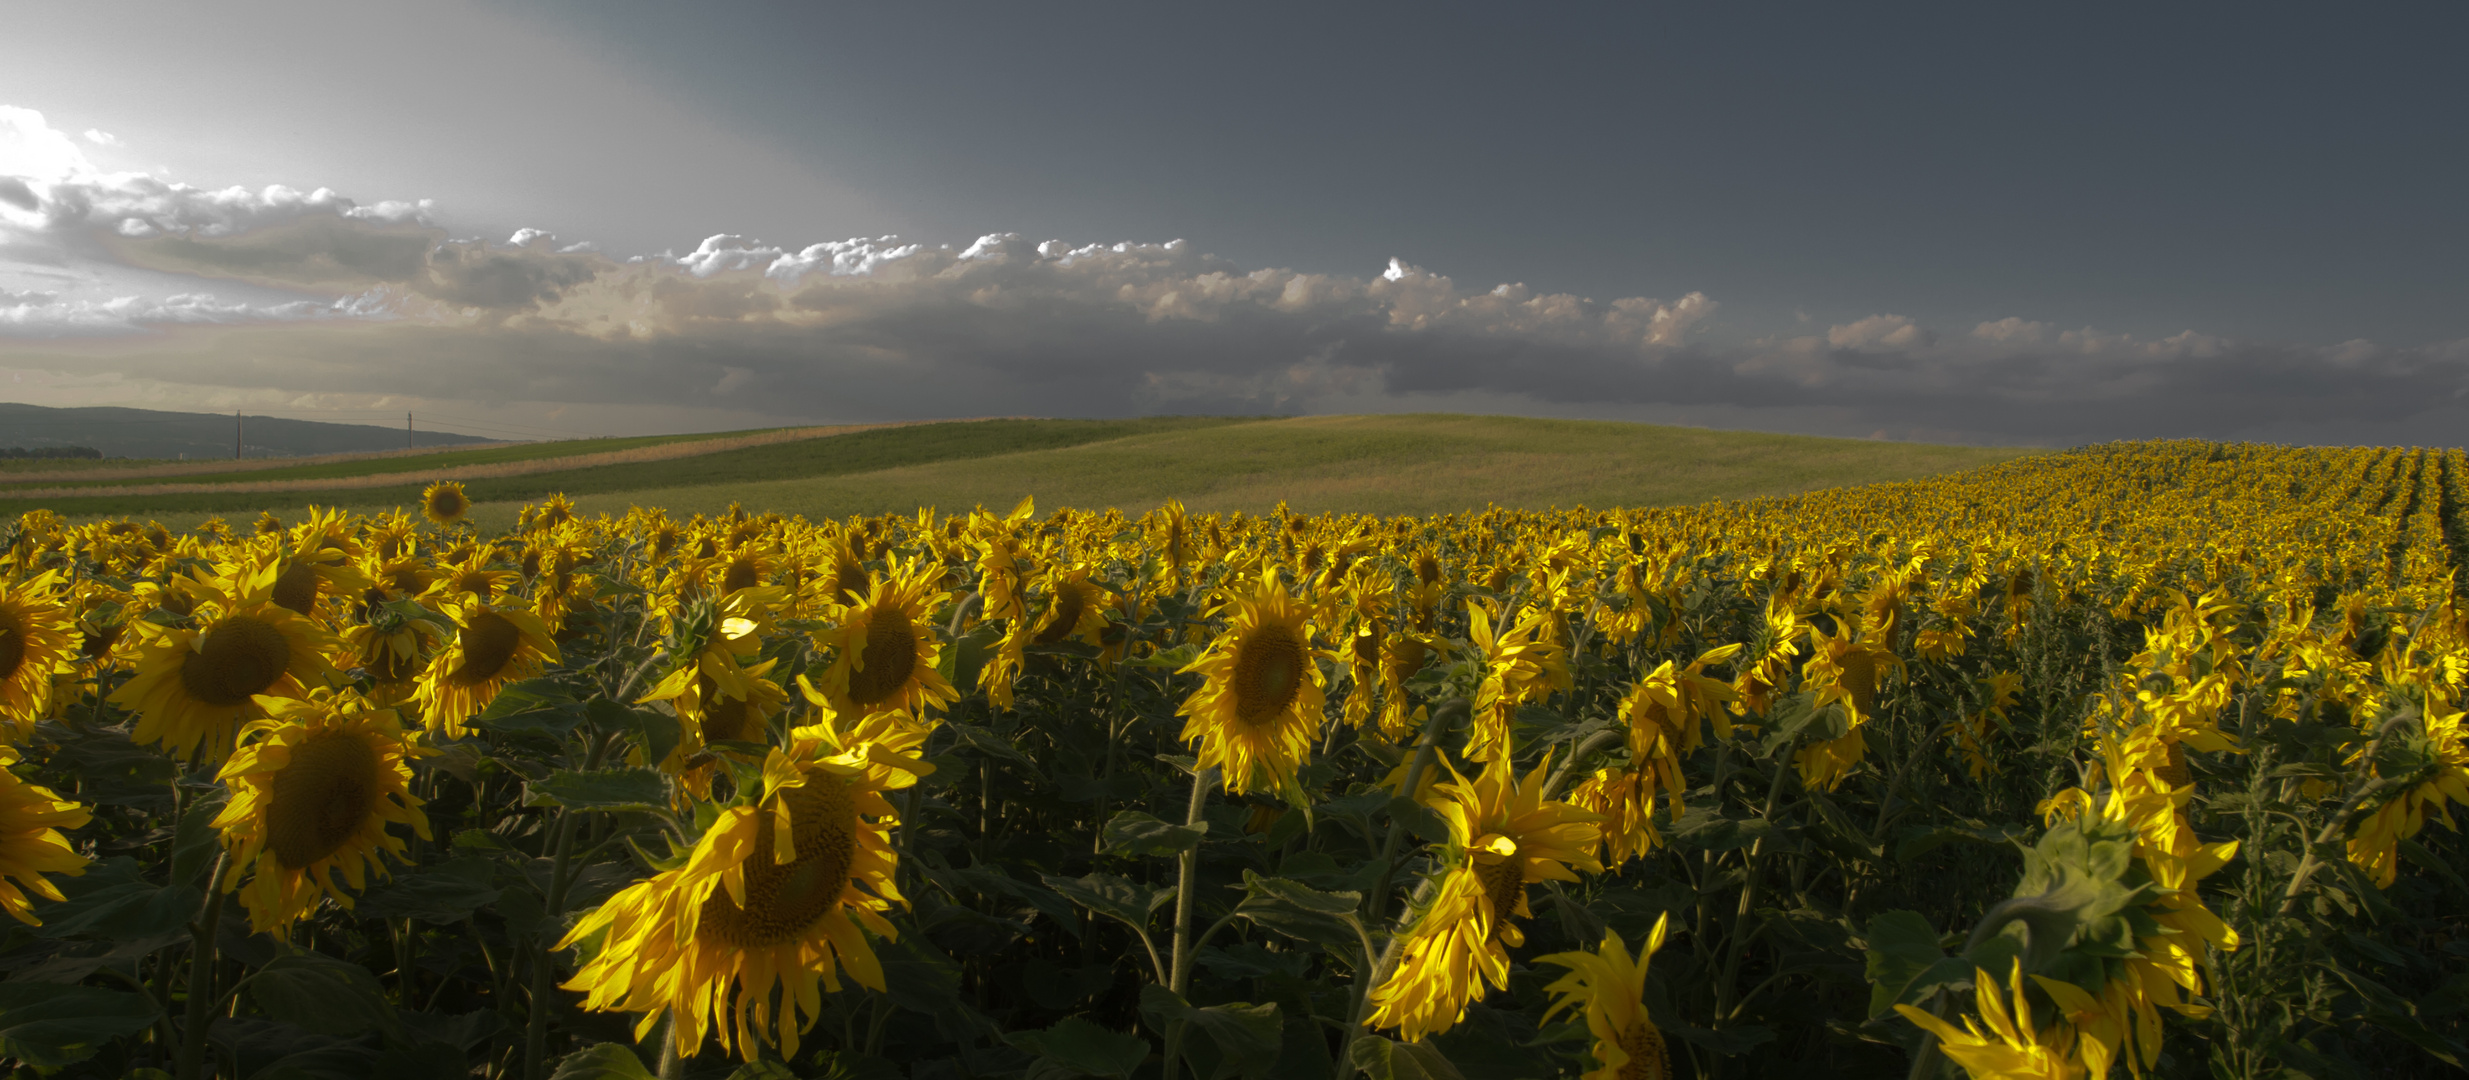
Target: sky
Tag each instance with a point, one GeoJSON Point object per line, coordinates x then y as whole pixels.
{"type": "Point", "coordinates": [1969, 223]}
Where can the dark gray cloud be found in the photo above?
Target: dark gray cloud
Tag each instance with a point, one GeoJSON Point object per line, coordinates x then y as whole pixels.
{"type": "Point", "coordinates": [864, 329]}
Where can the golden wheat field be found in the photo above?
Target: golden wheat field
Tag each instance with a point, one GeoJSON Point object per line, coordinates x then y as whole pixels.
{"type": "Point", "coordinates": [2132, 760]}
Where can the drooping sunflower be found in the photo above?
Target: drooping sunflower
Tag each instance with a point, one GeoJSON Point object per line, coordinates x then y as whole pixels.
{"type": "Point", "coordinates": [314, 787]}
{"type": "Point", "coordinates": [736, 706]}
{"type": "Point", "coordinates": [38, 640]}
{"type": "Point", "coordinates": [31, 818]}
{"type": "Point", "coordinates": [1609, 985]}
{"type": "Point", "coordinates": [1520, 664]}
{"type": "Point", "coordinates": [493, 646]}
{"type": "Point", "coordinates": [1256, 716]}
{"type": "Point", "coordinates": [885, 650]}
{"type": "Point", "coordinates": [445, 502]}
{"type": "Point", "coordinates": [1503, 834]}
{"type": "Point", "coordinates": [776, 897]}
{"type": "Point", "coordinates": [194, 684]}
{"type": "Point", "coordinates": [1075, 608]}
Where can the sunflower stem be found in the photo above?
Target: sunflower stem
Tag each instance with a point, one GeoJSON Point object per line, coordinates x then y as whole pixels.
{"type": "Point", "coordinates": [1187, 868]}
{"type": "Point", "coordinates": [1426, 748]}
{"type": "Point", "coordinates": [2340, 818]}
{"type": "Point", "coordinates": [1739, 943]}
{"type": "Point", "coordinates": [672, 1063]}
{"type": "Point", "coordinates": [201, 973]}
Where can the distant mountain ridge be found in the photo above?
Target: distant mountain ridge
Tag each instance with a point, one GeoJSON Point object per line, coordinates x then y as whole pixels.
{"type": "Point", "coordinates": [153, 433]}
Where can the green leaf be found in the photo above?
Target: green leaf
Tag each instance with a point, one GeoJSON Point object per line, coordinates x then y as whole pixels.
{"type": "Point", "coordinates": [48, 1026]}
{"type": "Point", "coordinates": [194, 842]}
{"type": "Point", "coordinates": [1243, 1038]}
{"type": "Point", "coordinates": [761, 1070]}
{"type": "Point", "coordinates": [1388, 1059]}
{"type": "Point", "coordinates": [113, 900]}
{"type": "Point", "coordinates": [323, 995]}
{"type": "Point", "coordinates": [544, 706]}
{"type": "Point", "coordinates": [1121, 899]}
{"type": "Point", "coordinates": [600, 789]}
{"type": "Point", "coordinates": [657, 731]}
{"type": "Point", "coordinates": [602, 1061]}
{"type": "Point", "coordinates": [1078, 1048]}
{"type": "Point", "coordinates": [989, 743]}
{"type": "Point", "coordinates": [1132, 832]}
{"type": "Point", "coordinates": [1920, 840]}
{"type": "Point", "coordinates": [1902, 948]}
{"type": "Point", "coordinates": [1304, 913]}
{"type": "Point", "coordinates": [446, 893]}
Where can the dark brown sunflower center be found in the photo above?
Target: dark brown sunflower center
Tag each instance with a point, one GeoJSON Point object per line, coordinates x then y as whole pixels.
{"type": "Point", "coordinates": [889, 658]}
{"type": "Point", "coordinates": [1268, 673]}
{"type": "Point", "coordinates": [1649, 1059]}
{"type": "Point", "coordinates": [2175, 774]}
{"type": "Point", "coordinates": [447, 503]}
{"type": "Point", "coordinates": [489, 644]}
{"type": "Point", "coordinates": [851, 577]}
{"type": "Point", "coordinates": [322, 797]}
{"type": "Point", "coordinates": [742, 575]}
{"type": "Point", "coordinates": [1504, 885]}
{"type": "Point", "coordinates": [386, 665]}
{"type": "Point", "coordinates": [240, 656]}
{"type": "Point", "coordinates": [12, 642]}
{"type": "Point", "coordinates": [724, 719]}
{"type": "Point", "coordinates": [296, 587]}
{"type": "Point", "coordinates": [1063, 616]}
{"type": "Point", "coordinates": [783, 902]}
{"type": "Point", "coordinates": [405, 579]}
{"type": "Point", "coordinates": [1427, 569]}
{"type": "Point", "coordinates": [1860, 679]}
{"type": "Point", "coordinates": [1406, 656]}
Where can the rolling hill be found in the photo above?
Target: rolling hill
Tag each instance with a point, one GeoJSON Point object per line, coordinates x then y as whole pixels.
{"type": "Point", "coordinates": [151, 433]}
{"type": "Point", "coordinates": [1381, 464]}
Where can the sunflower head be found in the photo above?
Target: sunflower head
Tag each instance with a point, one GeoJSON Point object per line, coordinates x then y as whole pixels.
{"type": "Point", "coordinates": [445, 503]}
{"type": "Point", "coordinates": [1257, 714]}
{"type": "Point", "coordinates": [315, 786]}
{"type": "Point", "coordinates": [194, 684]}
{"type": "Point", "coordinates": [885, 649]}
{"type": "Point", "coordinates": [774, 903]}
{"type": "Point", "coordinates": [492, 647]}
{"type": "Point", "coordinates": [32, 845]}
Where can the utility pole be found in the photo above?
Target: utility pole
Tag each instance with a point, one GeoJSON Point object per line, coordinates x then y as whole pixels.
{"type": "Point", "coordinates": [408, 442]}
{"type": "Point", "coordinates": [237, 426]}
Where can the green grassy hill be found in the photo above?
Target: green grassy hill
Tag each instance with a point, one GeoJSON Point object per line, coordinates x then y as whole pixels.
{"type": "Point", "coordinates": [1380, 464]}
{"type": "Point", "coordinates": [154, 433]}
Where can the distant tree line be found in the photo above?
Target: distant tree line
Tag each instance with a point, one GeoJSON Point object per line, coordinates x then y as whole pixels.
{"type": "Point", "coordinates": [47, 453]}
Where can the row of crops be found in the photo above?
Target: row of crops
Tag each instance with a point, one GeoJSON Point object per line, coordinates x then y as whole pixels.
{"type": "Point", "coordinates": [2119, 761]}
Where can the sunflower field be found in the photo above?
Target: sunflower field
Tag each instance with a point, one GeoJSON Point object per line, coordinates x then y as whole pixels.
{"type": "Point", "coordinates": [2111, 762]}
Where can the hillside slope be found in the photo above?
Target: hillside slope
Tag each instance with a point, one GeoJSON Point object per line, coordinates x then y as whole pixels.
{"type": "Point", "coordinates": [153, 433]}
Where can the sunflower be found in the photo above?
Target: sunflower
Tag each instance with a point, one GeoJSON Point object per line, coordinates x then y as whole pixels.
{"type": "Point", "coordinates": [1503, 834]}
{"type": "Point", "coordinates": [445, 503]}
{"type": "Point", "coordinates": [2003, 1043]}
{"type": "Point", "coordinates": [313, 788]}
{"type": "Point", "coordinates": [777, 896]}
{"type": "Point", "coordinates": [718, 702]}
{"type": "Point", "coordinates": [1610, 986]}
{"type": "Point", "coordinates": [194, 684]}
{"type": "Point", "coordinates": [885, 647]}
{"type": "Point", "coordinates": [1075, 610]}
{"type": "Point", "coordinates": [493, 646]}
{"type": "Point", "coordinates": [1257, 714]}
{"type": "Point", "coordinates": [31, 846]}
{"type": "Point", "coordinates": [1520, 664]}
{"type": "Point", "coordinates": [35, 645]}
{"type": "Point", "coordinates": [392, 649]}
{"type": "Point", "coordinates": [1845, 668]}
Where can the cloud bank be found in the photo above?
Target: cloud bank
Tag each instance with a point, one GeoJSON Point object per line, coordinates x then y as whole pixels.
{"type": "Point", "coordinates": [336, 298]}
